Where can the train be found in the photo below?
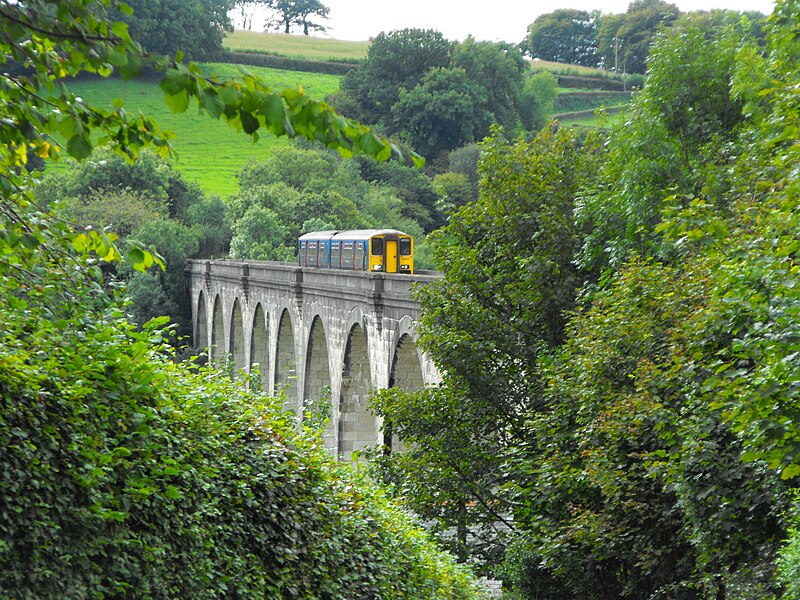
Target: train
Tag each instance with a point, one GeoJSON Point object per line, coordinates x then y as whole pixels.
{"type": "Point", "coordinates": [373, 250]}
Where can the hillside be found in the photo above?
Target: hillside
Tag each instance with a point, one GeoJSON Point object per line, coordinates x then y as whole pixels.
{"type": "Point", "coordinates": [211, 154]}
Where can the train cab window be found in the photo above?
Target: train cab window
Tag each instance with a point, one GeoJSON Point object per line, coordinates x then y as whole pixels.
{"type": "Point", "coordinates": [405, 246]}
{"type": "Point", "coordinates": [336, 255]}
{"type": "Point", "coordinates": [312, 254]}
{"type": "Point", "coordinates": [302, 253]}
{"type": "Point", "coordinates": [360, 254]}
{"type": "Point", "coordinates": [377, 246]}
{"type": "Point", "coordinates": [347, 255]}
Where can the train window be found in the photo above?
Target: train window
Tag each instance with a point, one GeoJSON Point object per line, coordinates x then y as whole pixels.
{"type": "Point", "coordinates": [405, 246]}
{"type": "Point", "coordinates": [312, 254]}
{"type": "Point", "coordinates": [360, 247]}
{"type": "Point", "coordinates": [347, 255]}
{"type": "Point", "coordinates": [377, 246]}
{"type": "Point", "coordinates": [336, 255]}
{"type": "Point", "coordinates": [302, 253]}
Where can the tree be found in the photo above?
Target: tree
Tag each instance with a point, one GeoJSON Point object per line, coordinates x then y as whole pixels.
{"type": "Point", "coordinates": [258, 235]}
{"type": "Point", "coordinates": [445, 111]}
{"type": "Point", "coordinates": [397, 60]}
{"type": "Point", "coordinates": [537, 100]}
{"type": "Point", "coordinates": [566, 36]}
{"type": "Point", "coordinates": [624, 40]}
{"type": "Point", "coordinates": [288, 13]}
{"type": "Point", "coordinates": [508, 278]}
{"type": "Point", "coordinates": [193, 26]}
{"type": "Point", "coordinates": [499, 69]}
{"type": "Point", "coordinates": [246, 10]}
{"type": "Point", "coordinates": [116, 458]}
{"type": "Point", "coordinates": [149, 176]}
{"type": "Point", "coordinates": [674, 135]}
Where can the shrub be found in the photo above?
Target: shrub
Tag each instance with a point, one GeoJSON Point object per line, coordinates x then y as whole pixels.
{"type": "Point", "coordinates": [124, 473]}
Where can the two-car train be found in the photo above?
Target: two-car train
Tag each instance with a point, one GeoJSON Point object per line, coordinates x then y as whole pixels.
{"type": "Point", "coordinates": [373, 250]}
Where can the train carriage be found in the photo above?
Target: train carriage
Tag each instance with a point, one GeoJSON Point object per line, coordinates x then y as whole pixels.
{"type": "Point", "coordinates": [375, 250]}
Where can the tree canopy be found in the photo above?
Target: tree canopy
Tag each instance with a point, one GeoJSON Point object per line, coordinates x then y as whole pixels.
{"type": "Point", "coordinates": [124, 471]}
{"type": "Point", "coordinates": [286, 14]}
{"type": "Point", "coordinates": [565, 35]}
{"type": "Point", "coordinates": [195, 27]}
{"type": "Point", "coordinates": [410, 69]}
{"type": "Point", "coordinates": [616, 330]}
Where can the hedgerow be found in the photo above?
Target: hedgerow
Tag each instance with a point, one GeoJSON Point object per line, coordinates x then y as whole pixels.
{"type": "Point", "coordinates": [126, 474]}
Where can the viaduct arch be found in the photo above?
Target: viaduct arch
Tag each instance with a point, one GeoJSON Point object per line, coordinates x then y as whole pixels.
{"type": "Point", "coordinates": [316, 336]}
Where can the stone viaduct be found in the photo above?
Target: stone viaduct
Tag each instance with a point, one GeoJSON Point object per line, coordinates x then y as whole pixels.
{"type": "Point", "coordinates": [321, 337]}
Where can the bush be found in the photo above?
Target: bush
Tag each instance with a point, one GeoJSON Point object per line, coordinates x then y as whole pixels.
{"type": "Point", "coordinates": [286, 63]}
{"type": "Point", "coordinates": [124, 473]}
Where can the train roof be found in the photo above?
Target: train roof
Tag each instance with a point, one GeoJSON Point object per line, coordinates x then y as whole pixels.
{"type": "Point", "coordinates": [352, 234]}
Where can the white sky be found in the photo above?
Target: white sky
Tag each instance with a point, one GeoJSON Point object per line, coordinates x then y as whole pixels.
{"type": "Point", "coordinates": [493, 20]}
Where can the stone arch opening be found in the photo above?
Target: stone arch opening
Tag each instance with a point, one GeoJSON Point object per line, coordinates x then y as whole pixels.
{"type": "Point", "coordinates": [236, 347]}
{"type": "Point", "coordinates": [286, 362]}
{"type": "Point", "coordinates": [358, 428]}
{"type": "Point", "coordinates": [317, 397]}
{"type": "Point", "coordinates": [201, 331]}
{"type": "Point", "coordinates": [216, 351]}
{"type": "Point", "coordinates": [406, 374]}
{"type": "Point", "coordinates": [259, 345]}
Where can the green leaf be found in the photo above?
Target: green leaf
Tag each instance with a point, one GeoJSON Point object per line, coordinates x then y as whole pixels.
{"type": "Point", "coordinates": [178, 102]}
{"type": "Point", "coordinates": [174, 81]}
{"type": "Point", "coordinates": [79, 146]}
{"type": "Point", "coordinates": [275, 114]}
{"type": "Point", "coordinates": [136, 258]}
{"type": "Point", "coordinates": [212, 103]}
{"type": "Point", "coordinates": [249, 123]}
{"type": "Point", "coordinates": [790, 471]}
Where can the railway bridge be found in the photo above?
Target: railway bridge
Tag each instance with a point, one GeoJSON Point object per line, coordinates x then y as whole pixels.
{"type": "Point", "coordinates": [321, 337]}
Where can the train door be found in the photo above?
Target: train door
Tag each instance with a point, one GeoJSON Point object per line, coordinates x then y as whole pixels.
{"type": "Point", "coordinates": [390, 259]}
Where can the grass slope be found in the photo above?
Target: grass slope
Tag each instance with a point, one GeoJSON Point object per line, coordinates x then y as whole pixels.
{"type": "Point", "coordinates": [296, 46]}
{"type": "Point", "coordinates": [210, 152]}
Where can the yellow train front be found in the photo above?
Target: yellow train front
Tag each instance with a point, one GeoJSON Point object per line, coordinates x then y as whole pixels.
{"type": "Point", "coordinates": [375, 250]}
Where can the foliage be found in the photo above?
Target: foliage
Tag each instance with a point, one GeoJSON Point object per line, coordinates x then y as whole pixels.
{"type": "Point", "coordinates": [673, 134]}
{"type": "Point", "coordinates": [208, 215]}
{"type": "Point", "coordinates": [175, 243]}
{"type": "Point", "coordinates": [127, 474]}
{"type": "Point", "coordinates": [454, 191]}
{"type": "Point", "coordinates": [445, 111]}
{"type": "Point", "coordinates": [465, 160]}
{"type": "Point", "coordinates": [624, 40]}
{"type": "Point", "coordinates": [789, 562]}
{"type": "Point", "coordinates": [564, 35]}
{"type": "Point", "coordinates": [633, 421]}
{"type": "Point", "coordinates": [419, 86]}
{"type": "Point", "coordinates": [258, 235]}
{"type": "Point", "coordinates": [537, 100]}
{"type": "Point", "coordinates": [499, 69]}
{"type": "Point", "coordinates": [149, 177]}
{"type": "Point", "coordinates": [303, 184]}
{"type": "Point", "coordinates": [288, 13]}
{"type": "Point", "coordinates": [395, 60]}
{"type": "Point", "coordinates": [507, 278]}
{"type": "Point", "coordinates": [167, 26]}
{"type": "Point", "coordinates": [412, 186]}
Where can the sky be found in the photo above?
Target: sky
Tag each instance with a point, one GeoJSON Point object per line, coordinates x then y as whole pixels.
{"type": "Point", "coordinates": [494, 20]}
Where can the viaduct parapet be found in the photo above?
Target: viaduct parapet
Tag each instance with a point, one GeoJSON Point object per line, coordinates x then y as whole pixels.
{"type": "Point", "coordinates": [325, 339]}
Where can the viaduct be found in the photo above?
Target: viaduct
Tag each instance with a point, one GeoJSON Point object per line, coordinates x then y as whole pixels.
{"type": "Point", "coordinates": [322, 338]}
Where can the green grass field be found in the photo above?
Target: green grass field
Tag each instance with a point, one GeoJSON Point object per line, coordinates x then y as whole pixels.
{"type": "Point", "coordinates": [296, 46]}
{"type": "Point", "coordinates": [209, 152]}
